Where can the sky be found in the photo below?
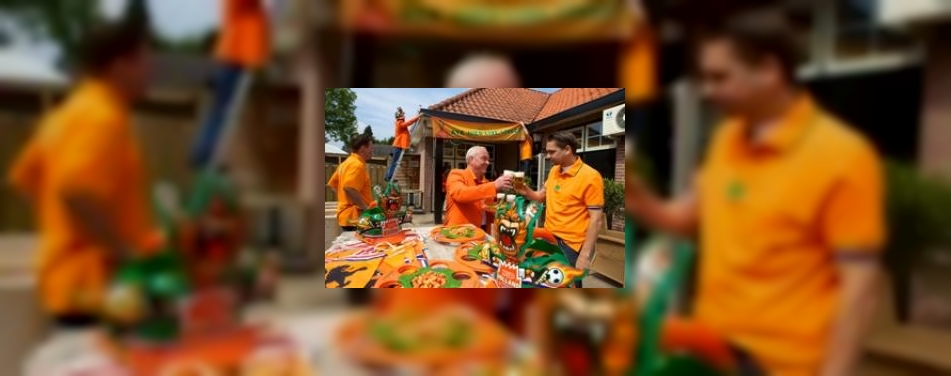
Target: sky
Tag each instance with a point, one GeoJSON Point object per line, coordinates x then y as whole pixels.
{"type": "Point", "coordinates": [376, 107]}
{"type": "Point", "coordinates": [173, 19]}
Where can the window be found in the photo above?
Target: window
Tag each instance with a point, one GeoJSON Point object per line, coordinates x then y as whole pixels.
{"type": "Point", "coordinates": [591, 139]}
{"type": "Point", "coordinates": [858, 34]}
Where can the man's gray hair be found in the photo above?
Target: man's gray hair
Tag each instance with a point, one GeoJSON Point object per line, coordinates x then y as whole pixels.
{"type": "Point", "coordinates": [471, 153]}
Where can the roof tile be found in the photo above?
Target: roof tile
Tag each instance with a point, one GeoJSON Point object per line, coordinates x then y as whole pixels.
{"type": "Point", "coordinates": [519, 104]}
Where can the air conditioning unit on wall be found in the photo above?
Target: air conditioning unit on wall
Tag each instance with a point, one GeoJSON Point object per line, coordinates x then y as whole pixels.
{"type": "Point", "coordinates": [612, 121]}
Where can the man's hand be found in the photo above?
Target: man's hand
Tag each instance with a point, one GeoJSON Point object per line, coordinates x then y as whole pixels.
{"type": "Point", "coordinates": [583, 263]}
{"type": "Point", "coordinates": [679, 216]}
{"type": "Point", "coordinates": [503, 183]}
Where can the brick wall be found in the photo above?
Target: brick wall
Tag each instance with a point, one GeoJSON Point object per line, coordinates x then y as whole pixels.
{"type": "Point", "coordinates": [619, 169]}
{"type": "Point", "coordinates": [935, 142]}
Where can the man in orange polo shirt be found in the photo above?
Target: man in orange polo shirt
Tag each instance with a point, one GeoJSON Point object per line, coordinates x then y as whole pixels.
{"type": "Point", "coordinates": [243, 47]}
{"type": "Point", "coordinates": [401, 141]}
{"type": "Point", "coordinates": [466, 190]}
{"type": "Point", "coordinates": [83, 172]}
{"type": "Point", "coordinates": [352, 182]}
{"type": "Point", "coordinates": [576, 207]}
{"type": "Point", "coordinates": [789, 209]}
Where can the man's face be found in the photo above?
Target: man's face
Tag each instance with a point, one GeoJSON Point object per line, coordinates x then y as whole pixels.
{"type": "Point", "coordinates": [557, 155]}
{"type": "Point", "coordinates": [733, 85]}
{"type": "Point", "coordinates": [365, 152]}
{"type": "Point", "coordinates": [133, 70]}
{"type": "Point", "coordinates": [480, 162]}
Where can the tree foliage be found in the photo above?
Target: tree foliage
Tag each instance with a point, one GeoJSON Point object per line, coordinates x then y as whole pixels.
{"type": "Point", "coordinates": [340, 121]}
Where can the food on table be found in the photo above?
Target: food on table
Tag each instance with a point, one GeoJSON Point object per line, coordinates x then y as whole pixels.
{"type": "Point", "coordinates": [429, 280]}
{"type": "Point", "coordinates": [457, 234]}
{"type": "Point", "coordinates": [416, 331]}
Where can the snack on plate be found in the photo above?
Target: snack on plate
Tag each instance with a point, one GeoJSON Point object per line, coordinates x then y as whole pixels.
{"type": "Point", "coordinates": [411, 332]}
{"type": "Point", "coordinates": [430, 278]}
{"type": "Point", "coordinates": [457, 234]}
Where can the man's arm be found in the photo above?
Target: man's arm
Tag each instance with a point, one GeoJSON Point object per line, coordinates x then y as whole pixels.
{"type": "Point", "coordinates": [25, 171]}
{"type": "Point", "coordinates": [679, 216]}
{"type": "Point", "coordinates": [538, 196]}
{"type": "Point", "coordinates": [853, 223]}
{"type": "Point", "coordinates": [586, 253]}
{"type": "Point", "coordinates": [858, 275]}
{"type": "Point", "coordinates": [89, 213]}
{"type": "Point", "coordinates": [458, 191]}
{"type": "Point", "coordinates": [354, 196]}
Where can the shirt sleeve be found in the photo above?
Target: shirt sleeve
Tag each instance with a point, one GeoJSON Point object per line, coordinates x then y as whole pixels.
{"type": "Point", "coordinates": [593, 195]}
{"type": "Point", "coordinates": [853, 214]}
{"type": "Point", "coordinates": [26, 169]}
{"type": "Point", "coordinates": [350, 177]}
{"type": "Point", "coordinates": [458, 191]}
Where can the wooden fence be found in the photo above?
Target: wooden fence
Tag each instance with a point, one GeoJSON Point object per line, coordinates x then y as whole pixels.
{"type": "Point", "coordinates": [377, 173]}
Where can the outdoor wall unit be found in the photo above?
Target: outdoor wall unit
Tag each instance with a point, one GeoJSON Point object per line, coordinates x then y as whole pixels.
{"type": "Point", "coordinates": [612, 120]}
{"type": "Point", "coordinates": [900, 12]}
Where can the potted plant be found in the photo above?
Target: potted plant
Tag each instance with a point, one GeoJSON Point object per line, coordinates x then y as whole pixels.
{"type": "Point", "coordinates": [919, 220]}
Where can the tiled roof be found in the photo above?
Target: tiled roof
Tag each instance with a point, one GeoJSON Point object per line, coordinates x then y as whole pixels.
{"type": "Point", "coordinates": [568, 98]}
{"type": "Point", "coordinates": [525, 105]}
{"type": "Point", "coordinates": [501, 104]}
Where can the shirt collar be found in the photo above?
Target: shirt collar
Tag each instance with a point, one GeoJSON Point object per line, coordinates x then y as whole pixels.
{"type": "Point", "coordinates": [789, 129]}
{"type": "Point", "coordinates": [472, 174]}
{"type": "Point", "coordinates": [101, 90]}
{"type": "Point", "coordinates": [358, 157]}
{"type": "Point", "coordinates": [573, 169]}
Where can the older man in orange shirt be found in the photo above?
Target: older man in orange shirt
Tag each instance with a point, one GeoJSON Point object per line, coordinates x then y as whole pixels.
{"type": "Point", "coordinates": [243, 47]}
{"type": "Point", "coordinates": [84, 174]}
{"type": "Point", "coordinates": [467, 190]}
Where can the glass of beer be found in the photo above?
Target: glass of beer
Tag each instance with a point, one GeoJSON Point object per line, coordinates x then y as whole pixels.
{"type": "Point", "coordinates": [518, 180]}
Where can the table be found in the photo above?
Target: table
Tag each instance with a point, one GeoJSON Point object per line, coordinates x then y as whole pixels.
{"type": "Point", "coordinates": [434, 250]}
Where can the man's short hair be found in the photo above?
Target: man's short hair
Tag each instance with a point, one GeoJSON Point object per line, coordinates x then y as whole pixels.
{"type": "Point", "coordinates": [106, 42]}
{"type": "Point", "coordinates": [471, 153]}
{"type": "Point", "coordinates": [563, 139]}
{"type": "Point", "coordinates": [757, 36]}
{"type": "Point", "coordinates": [360, 141]}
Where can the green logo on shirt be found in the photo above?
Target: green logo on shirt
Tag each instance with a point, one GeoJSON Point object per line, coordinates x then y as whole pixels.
{"type": "Point", "coordinates": [557, 188]}
{"type": "Point", "coordinates": [735, 191]}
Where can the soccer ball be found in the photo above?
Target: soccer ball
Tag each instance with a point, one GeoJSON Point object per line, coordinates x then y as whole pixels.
{"type": "Point", "coordinates": [555, 276]}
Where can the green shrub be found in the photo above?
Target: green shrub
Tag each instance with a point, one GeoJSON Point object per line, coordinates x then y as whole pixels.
{"type": "Point", "coordinates": [918, 215]}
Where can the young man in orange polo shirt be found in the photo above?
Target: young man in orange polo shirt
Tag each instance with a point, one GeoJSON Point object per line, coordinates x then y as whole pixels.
{"type": "Point", "coordinates": [788, 207]}
{"type": "Point", "coordinates": [575, 210]}
{"type": "Point", "coordinates": [243, 48]}
{"type": "Point", "coordinates": [466, 190]}
{"type": "Point", "coordinates": [352, 182]}
{"type": "Point", "coordinates": [84, 174]}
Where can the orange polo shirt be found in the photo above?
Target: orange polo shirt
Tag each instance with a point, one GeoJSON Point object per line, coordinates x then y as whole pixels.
{"type": "Point", "coordinates": [86, 145]}
{"type": "Point", "coordinates": [244, 36]}
{"type": "Point", "coordinates": [465, 200]}
{"type": "Point", "coordinates": [772, 216]}
{"type": "Point", "coordinates": [352, 173]}
{"type": "Point", "coordinates": [402, 132]}
{"type": "Point", "coordinates": [569, 196]}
